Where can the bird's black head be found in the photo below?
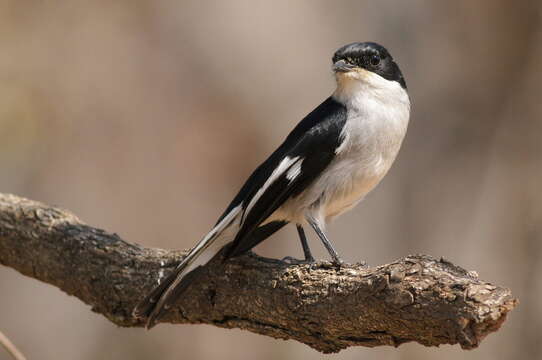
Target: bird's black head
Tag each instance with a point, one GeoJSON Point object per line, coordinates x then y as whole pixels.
{"type": "Point", "coordinates": [369, 56]}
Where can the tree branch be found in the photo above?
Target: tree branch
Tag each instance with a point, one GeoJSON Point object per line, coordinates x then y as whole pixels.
{"type": "Point", "coordinates": [417, 298]}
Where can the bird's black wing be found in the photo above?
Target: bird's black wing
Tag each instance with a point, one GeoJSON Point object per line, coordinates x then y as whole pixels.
{"type": "Point", "coordinates": [305, 153]}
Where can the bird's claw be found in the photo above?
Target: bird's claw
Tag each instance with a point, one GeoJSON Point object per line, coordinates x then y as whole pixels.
{"type": "Point", "coordinates": [337, 261]}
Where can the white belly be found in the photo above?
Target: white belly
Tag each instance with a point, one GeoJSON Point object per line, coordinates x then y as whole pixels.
{"type": "Point", "coordinates": [345, 191]}
{"type": "Point", "coordinates": [346, 183]}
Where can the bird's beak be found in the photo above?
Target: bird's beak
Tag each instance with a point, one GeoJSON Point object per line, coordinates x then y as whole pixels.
{"type": "Point", "coordinates": [342, 66]}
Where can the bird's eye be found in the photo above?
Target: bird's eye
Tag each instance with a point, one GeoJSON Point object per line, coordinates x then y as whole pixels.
{"type": "Point", "coordinates": [375, 60]}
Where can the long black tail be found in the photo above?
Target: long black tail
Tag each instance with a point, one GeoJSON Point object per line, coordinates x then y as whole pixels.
{"type": "Point", "coordinates": [170, 288]}
{"type": "Point", "coordinates": [155, 304]}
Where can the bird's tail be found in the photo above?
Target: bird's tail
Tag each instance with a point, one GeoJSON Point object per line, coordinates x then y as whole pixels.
{"type": "Point", "coordinates": [164, 295]}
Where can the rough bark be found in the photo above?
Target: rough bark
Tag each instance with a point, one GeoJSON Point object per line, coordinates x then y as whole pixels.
{"type": "Point", "coordinates": [417, 298]}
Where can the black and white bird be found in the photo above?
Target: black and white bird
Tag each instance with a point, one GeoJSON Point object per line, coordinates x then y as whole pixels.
{"type": "Point", "coordinates": [327, 164]}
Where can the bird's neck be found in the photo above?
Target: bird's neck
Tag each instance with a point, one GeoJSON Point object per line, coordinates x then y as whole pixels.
{"type": "Point", "coordinates": [354, 93]}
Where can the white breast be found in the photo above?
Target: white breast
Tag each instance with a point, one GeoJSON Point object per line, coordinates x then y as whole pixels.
{"type": "Point", "coordinates": [377, 118]}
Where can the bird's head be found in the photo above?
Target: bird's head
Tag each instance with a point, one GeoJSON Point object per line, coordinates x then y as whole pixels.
{"type": "Point", "coordinates": [365, 62]}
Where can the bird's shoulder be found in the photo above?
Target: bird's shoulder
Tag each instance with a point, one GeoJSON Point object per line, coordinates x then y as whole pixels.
{"type": "Point", "coordinates": [326, 120]}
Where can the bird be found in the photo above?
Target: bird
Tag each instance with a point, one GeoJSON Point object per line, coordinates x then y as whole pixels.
{"type": "Point", "coordinates": [327, 164]}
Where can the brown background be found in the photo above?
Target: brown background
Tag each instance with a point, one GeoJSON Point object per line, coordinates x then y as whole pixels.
{"type": "Point", "coordinates": [145, 117]}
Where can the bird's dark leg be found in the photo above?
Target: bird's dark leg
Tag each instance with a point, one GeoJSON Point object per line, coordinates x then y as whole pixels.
{"type": "Point", "coordinates": [336, 259]}
{"type": "Point", "coordinates": [306, 250]}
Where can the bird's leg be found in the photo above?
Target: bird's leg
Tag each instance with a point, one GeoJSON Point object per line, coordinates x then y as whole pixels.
{"type": "Point", "coordinates": [306, 250]}
{"type": "Point", "coordinates": [336, 259]}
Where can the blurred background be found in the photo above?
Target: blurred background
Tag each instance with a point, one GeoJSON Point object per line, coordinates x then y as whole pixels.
{"type": "Point", "coordinates": [144, 118]}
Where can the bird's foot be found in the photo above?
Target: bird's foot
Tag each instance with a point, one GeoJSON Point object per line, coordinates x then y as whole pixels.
{"type": "Point", "coordinates": [293, 261]}
{"type": "Point", "coordinates": [337, 261]}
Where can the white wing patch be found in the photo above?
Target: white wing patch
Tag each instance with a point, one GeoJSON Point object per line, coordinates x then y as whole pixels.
{"type": "Point", "coordinates": [294, 170]}
{"type": "Point", "coordinates": [286, 164]}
